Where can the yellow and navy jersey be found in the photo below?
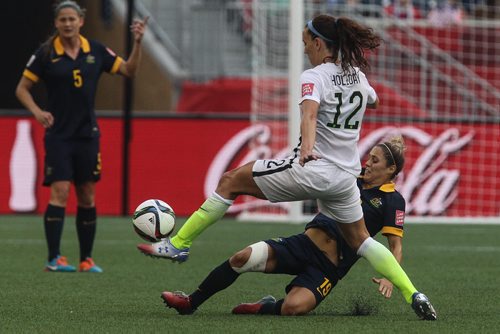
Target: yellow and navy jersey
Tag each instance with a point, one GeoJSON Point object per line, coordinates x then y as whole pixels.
{"type": "Point", "coordinates": [383, 210]}
{"type": "Point", "coordinates": [71, 84]}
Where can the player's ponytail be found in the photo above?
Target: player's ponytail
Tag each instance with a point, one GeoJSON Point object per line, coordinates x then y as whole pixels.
{"type": "Point", "coordinates": [354, 39]}
{"type": "Point", "coordinates": [347, 39]}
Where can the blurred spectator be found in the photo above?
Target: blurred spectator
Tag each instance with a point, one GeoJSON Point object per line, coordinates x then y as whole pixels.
{"type": "Point", "coordinates": [445, 14]}
{"type": "Point", "coordinates": [403, 9]}
{"type": "Point", "coordinates": [485, 9]}
{"type": "Point", "coordinates": [340, 7]}
{"type": "Point", "coordinates": [471, 6]}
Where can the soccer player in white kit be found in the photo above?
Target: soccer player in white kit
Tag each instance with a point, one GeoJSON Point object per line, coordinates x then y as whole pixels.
{"type": "Point", "coordinates": [326, 163]}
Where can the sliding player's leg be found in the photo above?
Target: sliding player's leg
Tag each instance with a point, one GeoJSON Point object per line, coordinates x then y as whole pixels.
{"type": "Point", "coordinates": [257, 257]}
{"type": "Point", "coordinates": [304, 294]}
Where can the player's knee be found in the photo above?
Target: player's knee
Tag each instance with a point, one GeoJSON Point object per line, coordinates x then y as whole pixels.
{"type": "Point", "coordinates": [59, 194]}
{"type": "Point", "coordinates": [86, 201]}
{"type": "Point", "coordinates": [85, 194]}
{"type": "Point", "coordinates": [296, 307]}
{"type": "Point", "coordinates": [355, 234]}
{"type": "Point", "coordinates": [298, 301]}
{"type": "Point", "coordinates": [253, 258]}
{"type": "Point", "coordinates": [239, 259]}
{"type": "Point", "coordinates": [225, 185]}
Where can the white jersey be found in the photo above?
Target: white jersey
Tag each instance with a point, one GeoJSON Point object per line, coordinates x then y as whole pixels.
{"type": "Point", "coordinates": [342, 98]}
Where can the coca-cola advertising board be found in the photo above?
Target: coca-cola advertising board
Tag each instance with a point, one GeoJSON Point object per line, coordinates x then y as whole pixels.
{"type": "Point", "coordinates": [450, 168]}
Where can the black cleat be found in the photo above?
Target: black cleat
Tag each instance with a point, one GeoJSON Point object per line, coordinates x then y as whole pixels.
{"type": "Point", "coordinates": [423, 307]}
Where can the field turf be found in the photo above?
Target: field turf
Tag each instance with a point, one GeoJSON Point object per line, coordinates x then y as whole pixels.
{"type": "Point", "coordinates": [457, 266]}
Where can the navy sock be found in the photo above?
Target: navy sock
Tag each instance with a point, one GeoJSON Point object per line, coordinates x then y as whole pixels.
{"type": "Point", "coordinates": [53, 222]}
{"type": "Point", "coordinates": [219, 279]}
{"type": "Point", "coordinates": [272, 308]}
{"type": "Point", "coordinates": [85, 228]}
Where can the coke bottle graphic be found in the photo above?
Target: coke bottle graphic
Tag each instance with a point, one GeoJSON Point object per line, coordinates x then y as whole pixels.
{"type": "Point", "coordinates": [23, 170]}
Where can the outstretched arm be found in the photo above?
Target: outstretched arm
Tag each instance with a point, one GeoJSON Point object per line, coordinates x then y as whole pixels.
{"type": "Point", "coordinates": [129, 68]}
{"type": "Point", "coordinates": [396, 246]}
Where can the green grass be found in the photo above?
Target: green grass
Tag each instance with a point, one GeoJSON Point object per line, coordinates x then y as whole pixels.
{"type": "Point", "coordinates": [458, 267]}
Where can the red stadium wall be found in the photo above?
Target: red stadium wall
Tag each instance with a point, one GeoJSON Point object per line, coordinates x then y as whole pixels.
{"type": "Point", "coordinates": [448, 172]}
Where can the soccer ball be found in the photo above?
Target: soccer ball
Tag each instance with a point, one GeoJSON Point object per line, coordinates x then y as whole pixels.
{"type": "Point", "coordinates": [153, 220]}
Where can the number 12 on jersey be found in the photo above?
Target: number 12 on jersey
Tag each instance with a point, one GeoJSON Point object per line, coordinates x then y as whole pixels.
{"type": "Point", "coordinates": [356, 97]}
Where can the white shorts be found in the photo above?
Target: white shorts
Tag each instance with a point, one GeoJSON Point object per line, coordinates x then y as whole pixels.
{"type": "Point", "coordinates": [334, 188]}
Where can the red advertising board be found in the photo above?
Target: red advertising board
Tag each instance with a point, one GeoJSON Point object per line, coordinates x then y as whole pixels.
{"type": "Point", "coordinates": [168, 160]}
{"type": "Point", "coordinates": [450, 168]}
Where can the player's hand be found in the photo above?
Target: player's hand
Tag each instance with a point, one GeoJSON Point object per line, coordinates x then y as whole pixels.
{"type": "Point", "coordinates": [305, 158]}
{"type": "Point", "coordinates": [138, 28]}
{"type": "Point", "coordinates": [45, 118]}
{"type": "Point", "coordinates": [384, 286]}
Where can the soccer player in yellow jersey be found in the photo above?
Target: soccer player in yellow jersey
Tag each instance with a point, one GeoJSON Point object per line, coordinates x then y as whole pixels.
{"type": "Point", "coordinates": [70, 66]}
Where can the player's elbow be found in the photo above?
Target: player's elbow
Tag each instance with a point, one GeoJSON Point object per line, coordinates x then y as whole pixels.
{"type": "Point", "coordinates": [373, 105]}
{"type": "Point", "coordinates": [130, 70]}
{"type": "Point", "coordinates": [20, 91]}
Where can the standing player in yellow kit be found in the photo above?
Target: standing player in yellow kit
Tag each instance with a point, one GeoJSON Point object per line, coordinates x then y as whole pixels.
{"type": "Point", "coordinates": [70, 66]}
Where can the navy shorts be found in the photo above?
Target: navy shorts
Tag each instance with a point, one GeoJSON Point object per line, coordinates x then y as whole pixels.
{"type": "Point", "coordinates": [298, 255]}
{"type": "Point", "coordinates": [77, 160]}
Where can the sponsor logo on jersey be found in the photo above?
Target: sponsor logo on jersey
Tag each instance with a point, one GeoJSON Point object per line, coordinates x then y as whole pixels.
{"type": "Point", "coordinates": [376, 202]}
{"type": "Point", "coordinates": [400, 217]}
{"type": "Point", "coordinates": [90, 59]}
{"type": "Point", "coordinates": [307, 89]}
{"type": "Point", "coordinates": [55, 60]}
{"type": "Point", "coordinates": [111, 52]}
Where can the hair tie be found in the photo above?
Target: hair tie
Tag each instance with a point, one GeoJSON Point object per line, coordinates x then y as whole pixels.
{"type": "Point", "coordinates": [390, 152]}
{"type": "Point", "coordinates": [314, 31]}
{"type": "Point", "coordinates": [69, 4]}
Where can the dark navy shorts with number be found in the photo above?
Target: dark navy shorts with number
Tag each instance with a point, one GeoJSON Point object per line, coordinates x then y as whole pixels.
{"type": "Point", "coordinates": [77, 160]}
{"type": "Point", "coordinates": [298, 255]}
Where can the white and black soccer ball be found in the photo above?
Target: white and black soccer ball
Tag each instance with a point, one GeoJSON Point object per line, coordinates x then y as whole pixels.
{"type": "Point", "coordinates": [154, 220]}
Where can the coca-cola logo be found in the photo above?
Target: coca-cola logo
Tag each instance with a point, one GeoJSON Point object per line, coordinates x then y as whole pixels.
{"type": "Point", "coordinates": [428, 187]}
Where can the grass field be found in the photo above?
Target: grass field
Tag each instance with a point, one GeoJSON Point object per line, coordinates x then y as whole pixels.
{"type": "Point", "coordinates": [458, 267]}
